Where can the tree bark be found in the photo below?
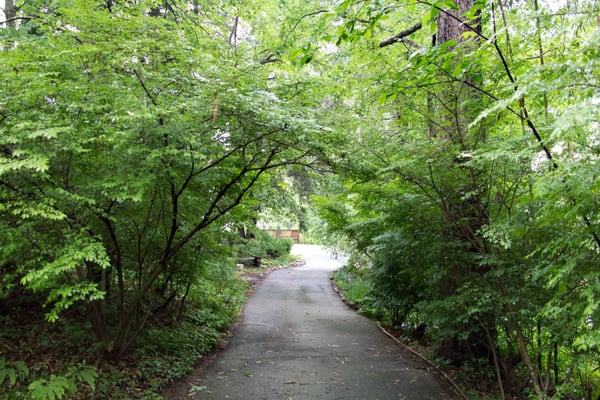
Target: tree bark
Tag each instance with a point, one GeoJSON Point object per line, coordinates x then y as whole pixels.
{"type": "Point", "coordinates": [10, 13]}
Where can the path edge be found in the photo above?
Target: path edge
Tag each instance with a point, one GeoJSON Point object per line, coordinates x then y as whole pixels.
{"type": "Point", "coordinates": [356, 307]}
{"type": "Point", "coordinates": [170, 391]}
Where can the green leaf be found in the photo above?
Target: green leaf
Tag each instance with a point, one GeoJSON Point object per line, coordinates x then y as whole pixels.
{"type": "Point", "coordinates": [449, 4]}
{"type": "Point", "coordinates": [342, 6]}
{"type": "Point", "coordinates": [12, 377]}
{"type": "Point", "coordinates": [89, 376]}
{"type": "Point", "coordinates": [49, 133]}
{"type": "Point", "coordinates": [448, 44]}
{"type": "Point", "coordinates": [10, 371]}
{"type": "Point", "coordinates": [21, 367]}
{"type": "Point", "coordinates": [430, 16]}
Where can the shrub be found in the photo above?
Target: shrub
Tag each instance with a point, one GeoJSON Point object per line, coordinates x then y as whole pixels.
{"type": "Point", "coordinates": [264, 245]}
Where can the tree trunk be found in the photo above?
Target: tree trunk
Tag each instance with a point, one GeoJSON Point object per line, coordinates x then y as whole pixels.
{"type": "Point", "coordinates": [463, 210]}
{"type": "Point", "coordinates": [10, 12]}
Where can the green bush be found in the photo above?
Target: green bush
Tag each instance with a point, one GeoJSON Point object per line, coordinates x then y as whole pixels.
{"type": "Point", "coordinates": [264, 245]}
{"type": "Point", "coordinates": [353, 283]}
{"type": "Point", "coordinates": [278, 247]}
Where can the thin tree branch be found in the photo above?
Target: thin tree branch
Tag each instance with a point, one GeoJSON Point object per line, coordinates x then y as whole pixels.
{"type": "Point", "coordinates": [146, 90]}
{"type": "Point", "coordinates": [209, 217]}
{"type": "Point", "coordinates": [312, 14]}
{"type": "Point", "coordinates": [270, 59]}
{"type": "Point", "coordinates": [234, 32]}
{"type": "Point", "coordinates": [401, 35]}
{"type": "Point", "coordinates": [9, 20]}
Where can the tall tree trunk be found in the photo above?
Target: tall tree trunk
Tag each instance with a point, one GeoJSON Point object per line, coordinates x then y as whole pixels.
{"type": "Point", "coordinates": [463, 212]}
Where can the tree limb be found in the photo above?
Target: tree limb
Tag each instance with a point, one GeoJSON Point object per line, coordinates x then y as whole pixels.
{"type": "Point", "coordinates": [234, 32]}
{"type": "Point", "coordinates": [401, 35]}
{"type": "Point", "coordinates": [9, 20]}
{"type": "Point", "coordinates": [270, 59]}
{"type": "Point", "coordinates": [146, 90]}
{"type": "Point", "coordinates": [287, 36]}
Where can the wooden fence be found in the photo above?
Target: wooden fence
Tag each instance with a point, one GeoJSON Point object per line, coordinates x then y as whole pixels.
{"type": "Point", "coordinates": [293, 234]}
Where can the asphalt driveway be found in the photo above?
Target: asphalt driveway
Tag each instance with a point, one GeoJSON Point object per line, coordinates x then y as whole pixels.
{"type": "Point", "coordinates": [298, 341]}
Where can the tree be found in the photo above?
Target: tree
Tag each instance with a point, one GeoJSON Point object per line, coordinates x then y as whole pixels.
{"type": "Point", "coordinates": [462, 134]}
{"type": "Point", "coordinates": [466, 123]}
{"type": "Point", "coordinates": [8, 13]}
{"type": "Point", "coordinates": [128, 142]}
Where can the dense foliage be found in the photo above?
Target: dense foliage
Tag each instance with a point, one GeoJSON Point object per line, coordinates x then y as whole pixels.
{"type": "Point", "coordinates": [137, 140]}
{"type": "Point", "coordinates": [472, 196]}
{"type": "Point", "coordinates": [60, 360]}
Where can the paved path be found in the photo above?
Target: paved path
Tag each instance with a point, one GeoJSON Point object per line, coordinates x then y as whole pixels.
{"type": "Point", "coordinates": [298, 341]}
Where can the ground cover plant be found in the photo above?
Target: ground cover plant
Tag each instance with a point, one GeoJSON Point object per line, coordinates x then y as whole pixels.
{"type": "Point", "coordinates": [60, 360]}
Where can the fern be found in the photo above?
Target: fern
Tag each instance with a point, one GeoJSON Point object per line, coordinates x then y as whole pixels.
{"type": "Point", "coordinates": [84, 374]}
{"type": "Point", "coordinates": [51, 389]}
{"type": "Point", "coordinates": [12, 370]}
{"type": "Point", "coordinates": [60, 386]}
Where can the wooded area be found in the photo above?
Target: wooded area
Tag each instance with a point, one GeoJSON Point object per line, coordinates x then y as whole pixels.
{"type": "Point", "coordinates": [451, 147]}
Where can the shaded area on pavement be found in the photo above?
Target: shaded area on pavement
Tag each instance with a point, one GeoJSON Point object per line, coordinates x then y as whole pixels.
{"type": "Point", "coordinates": [299, 341]}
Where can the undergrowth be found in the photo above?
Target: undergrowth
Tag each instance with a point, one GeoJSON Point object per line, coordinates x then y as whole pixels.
{"type": "Point", "coordinates": [43, 361]}
{"type": "Point", "coordinates": [356, 287]}
{"type": "Point", "coordinates": [53, 361]}
{"type": "Point", "coordinates": [353, 283]}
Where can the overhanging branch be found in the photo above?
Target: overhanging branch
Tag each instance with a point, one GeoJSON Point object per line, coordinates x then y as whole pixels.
{"type": "Point", "coordinates": [300, 19]}
{"type": "Point", "coordinates": [16, 19]}
{"type": "Point", "coordinates": [401, 35]}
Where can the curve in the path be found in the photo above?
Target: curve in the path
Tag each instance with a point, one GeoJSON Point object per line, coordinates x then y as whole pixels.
{"type": "Point", "coordinates": [299, 341]}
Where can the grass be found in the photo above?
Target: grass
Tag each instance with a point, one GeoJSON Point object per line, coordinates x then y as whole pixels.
{"type": "Point", "coordinates": [353, 283]}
